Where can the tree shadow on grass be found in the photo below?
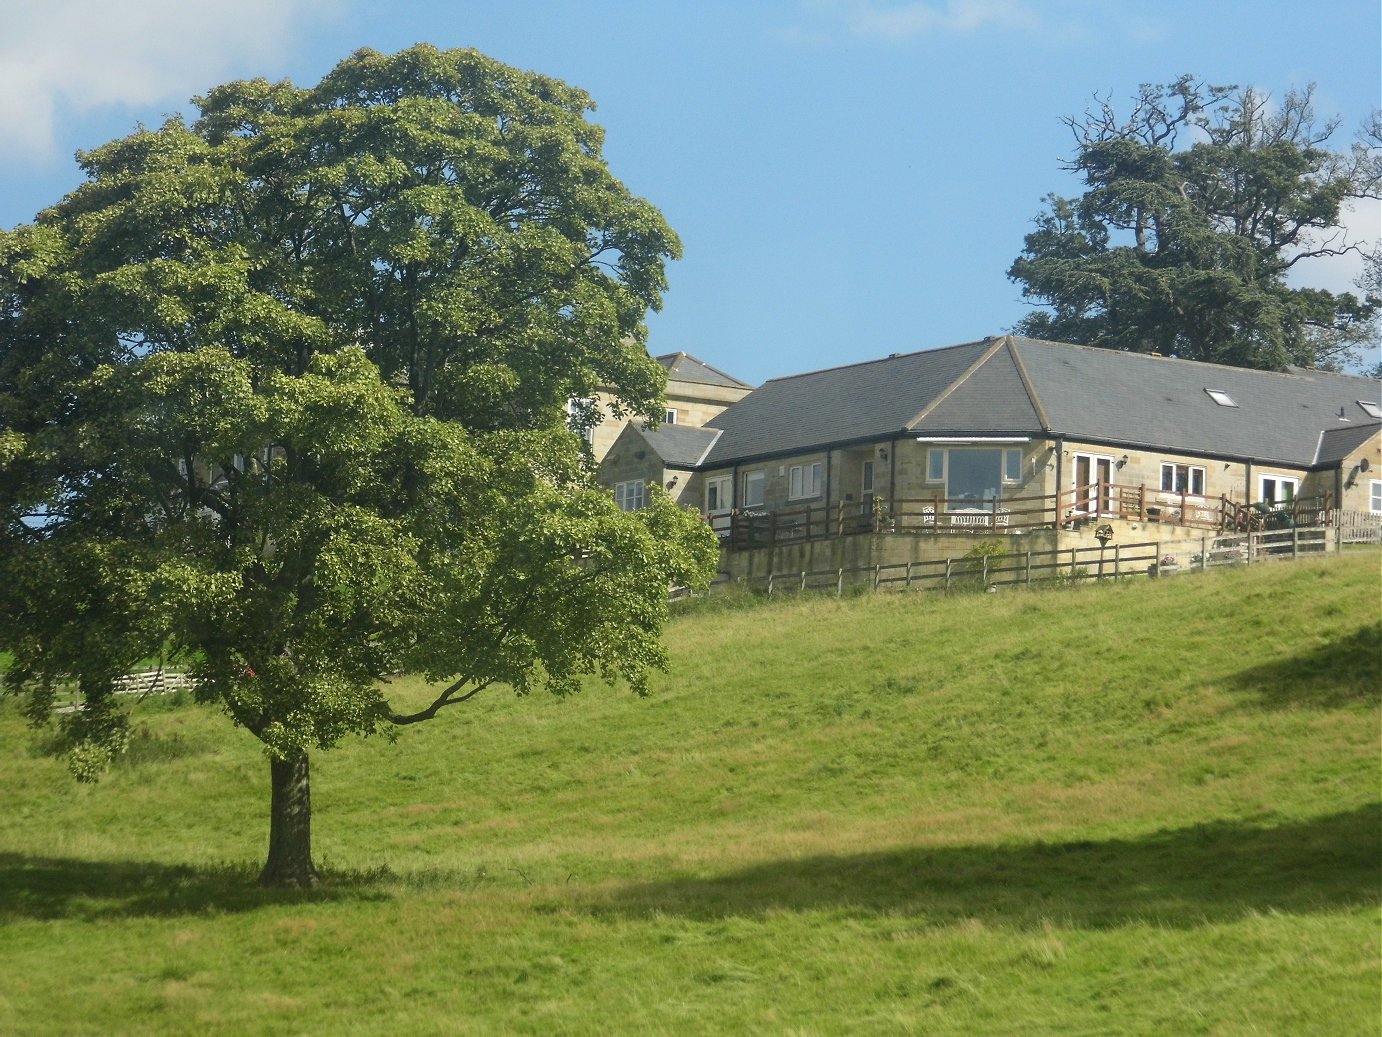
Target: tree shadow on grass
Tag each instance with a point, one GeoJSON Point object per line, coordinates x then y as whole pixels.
{"type": "Point", "coordinates": [57, 887]}
{"type": "Point", "coordinates": [1345, 671]}
{"type": "Point", "coordinates": [1184, 878]}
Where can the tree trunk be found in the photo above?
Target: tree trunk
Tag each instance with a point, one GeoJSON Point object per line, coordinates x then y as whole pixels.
{"type": "Point", "coordinates": [290, 826]}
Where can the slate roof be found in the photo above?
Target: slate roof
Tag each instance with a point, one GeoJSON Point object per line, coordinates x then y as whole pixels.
{"type": "Point", "coordinates": [1018, 386]}
{"type": "Point", "coordinates": [679, 446]}
{"type": "Point", "coordinates": [858, 402]}
{"type": "Point", "coordinates": [1142, 400]}
{"type": "Point", "coordinates": [686, 368]}
{"type": "Point", "coordinates": [1337, 443]}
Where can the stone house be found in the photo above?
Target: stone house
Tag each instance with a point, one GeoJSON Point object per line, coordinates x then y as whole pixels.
{"type": "Point", "coordinates": [1009, 434]}
{"type": "Point", "coordinates": [696, 392]}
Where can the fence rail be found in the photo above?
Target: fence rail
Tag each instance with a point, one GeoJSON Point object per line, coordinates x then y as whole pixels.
{"type": "Point", "coordinates": [141, 683]}
{"type": "Point", "coordinates": [1042, 568]}
{"type": "Point", "coordinates": [748, 529]}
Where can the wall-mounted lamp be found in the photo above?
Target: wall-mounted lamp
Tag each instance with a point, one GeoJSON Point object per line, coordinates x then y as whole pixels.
{"type": "Point", "coordinates": [1122, 460]}
{"type": "Point", "coordinates": [883, 453]}
{"type": "Point", "coordinates": [672, 481]}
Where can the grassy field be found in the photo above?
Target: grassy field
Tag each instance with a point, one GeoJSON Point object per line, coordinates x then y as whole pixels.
{"type": "Point", "coordinates": [1149, 808]}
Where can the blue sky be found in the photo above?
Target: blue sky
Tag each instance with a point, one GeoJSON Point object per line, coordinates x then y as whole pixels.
{"type": "Point", "coordinates": [850, 178]}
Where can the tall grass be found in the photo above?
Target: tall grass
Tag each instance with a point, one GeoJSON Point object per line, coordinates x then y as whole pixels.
{"type": "Point", "coordinates": [1144, 808]}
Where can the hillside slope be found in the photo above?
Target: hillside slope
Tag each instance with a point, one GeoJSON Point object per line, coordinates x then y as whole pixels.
{"type": "Point", "coordinates": [1142, 808]}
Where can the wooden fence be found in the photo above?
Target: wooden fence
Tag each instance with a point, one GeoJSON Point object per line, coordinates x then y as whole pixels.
{"type": "Point", "coordinates": [1356, 527]}
{"type": "Point", "coordinates": [1046, 568]}
{"type": "Point", "coordinates": [748, 529]}
{"type": "Point", "coordinates": [141, 683]}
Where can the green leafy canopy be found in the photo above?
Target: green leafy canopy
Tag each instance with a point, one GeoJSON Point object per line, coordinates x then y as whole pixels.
{"type": "Point", "coordinates": [283, 394]}
{"type": "Point", "coordinates": [1197, 207]}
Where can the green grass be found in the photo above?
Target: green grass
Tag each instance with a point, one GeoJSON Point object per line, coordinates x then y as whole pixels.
{"type": "Point", "coordinates": [1149, 808]}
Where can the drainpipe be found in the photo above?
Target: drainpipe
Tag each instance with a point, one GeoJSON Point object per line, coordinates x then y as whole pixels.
{"type": "Point", "coordinates": [829, 469]}
{"type": "Point", "coordinates": [1060, 476]}
{"type": "Point", "coordinates": [1247, 481]}
{"type": "Point", "coordinates": [892, 478]}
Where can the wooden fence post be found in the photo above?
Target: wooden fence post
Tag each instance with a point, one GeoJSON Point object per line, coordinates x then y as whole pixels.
{"type": "Point", "coordinates": [802, 588]}
{"type": "Point", "coordinates": [947, 575]}
{"type": "Point", "coordinates": [1204, 554]}
{"type": "Point", "coordinates": [907, 584]}
{"type": "Point", "coordinates": [1029, 568]}
{"type": "Point", "coordinates": [770, 585]}
{"type": "Point", "coordinates": [840, 584]}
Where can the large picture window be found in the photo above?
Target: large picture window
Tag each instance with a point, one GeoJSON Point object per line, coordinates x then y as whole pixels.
{"type": "Point", "coordinates": [804, 480]}
{"type": "Point", "coordinates": [1182, 478]}
{"type": "Point", "coordinates": [973, 473]}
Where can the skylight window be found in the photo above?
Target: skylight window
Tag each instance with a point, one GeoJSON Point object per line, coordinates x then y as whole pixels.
{"type": "Point", "coordinates": [1371, 409]}
{"type": "Point", "coordinates": [1220, 397]}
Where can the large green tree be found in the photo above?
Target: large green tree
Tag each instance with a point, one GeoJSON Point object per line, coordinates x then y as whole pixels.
{"type": "Point", "coordinates": [283, 394]}
{"type": "Point", "coordinates": [1198, 205]}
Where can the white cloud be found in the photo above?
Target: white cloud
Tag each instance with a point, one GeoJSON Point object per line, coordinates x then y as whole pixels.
{"type": "Point", "coordinates": [1362, 226]}
{"type": "Point", "coordinates": [84, 55]}
{"type": "Point", "coordinates": [927, 17]}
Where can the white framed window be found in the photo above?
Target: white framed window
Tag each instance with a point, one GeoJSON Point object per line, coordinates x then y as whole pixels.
{"type": "Point", "coordinates": [1182, 478]}
{"type": "Point", "coordinates": [866, 480]}
{"type": "Point", "coordinates": [754, 486]}
{"type": "Point", "coordinates": [629, 495]}
{"type": "Point", "coordinates": [718, 495]}
{"type": "Point", "coordinates": [1370, 409]}
{"type": "Point", "coordinates": [1277, 489]}
{"type": "Point", "coordinates": [1375, 496]}
{"type": "Point", "coordinates": [935, 464]}
{"type": "Point", "coordinates": [1220, 397]}
{"type": "Point", "coordinates": [578, 410]}
{"type": "Point", "coordinates": [1012, 465]}
{"type": "Point", "coordinates": [669, 416]}
{"type": "Point", "coordinates": [804, 480]}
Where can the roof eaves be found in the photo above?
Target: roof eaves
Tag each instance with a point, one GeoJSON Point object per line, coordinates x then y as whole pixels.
{"type": "Point", "coordinates": [814, 448]}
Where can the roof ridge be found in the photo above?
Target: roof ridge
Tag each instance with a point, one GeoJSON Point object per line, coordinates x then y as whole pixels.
{"type": "Point", "coordinates": [1292, 371]}
{"type": "Point", "coordinates": [1033, 397]}
{"type": "Point", "coordinates": [879, 360]}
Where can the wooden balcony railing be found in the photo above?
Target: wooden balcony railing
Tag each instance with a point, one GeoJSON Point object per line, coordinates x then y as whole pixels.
{"type": "Point", "coordinates": [753, 527]}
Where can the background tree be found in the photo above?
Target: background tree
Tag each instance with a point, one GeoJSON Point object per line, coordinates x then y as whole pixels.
{"type": "Point", "coordinates": [283, 395]}
{"type": "Point", "coordinates": [1197, 207]}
